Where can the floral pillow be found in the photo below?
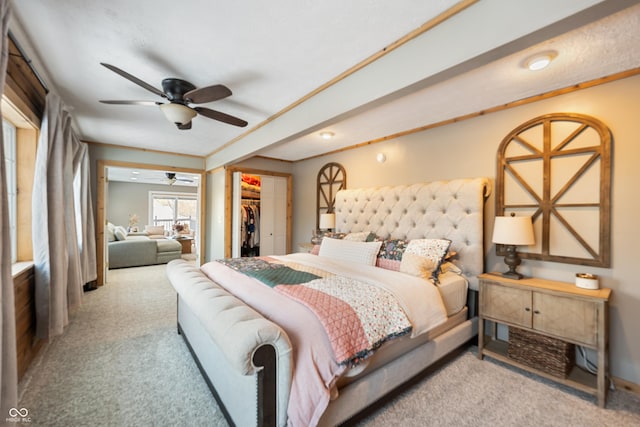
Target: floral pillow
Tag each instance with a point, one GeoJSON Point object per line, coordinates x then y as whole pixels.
{"type": "Point", "coordinates": [390, 253]}
{"type": "Point", "coordinates": [429, 255]}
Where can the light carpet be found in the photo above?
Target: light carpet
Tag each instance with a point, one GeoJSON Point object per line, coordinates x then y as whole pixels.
{"type": "Point", "coordinates": [121, 362]}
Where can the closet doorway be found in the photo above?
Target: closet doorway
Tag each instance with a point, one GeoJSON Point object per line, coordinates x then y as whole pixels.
{"type": "Point", "coordinates": [260, 212]}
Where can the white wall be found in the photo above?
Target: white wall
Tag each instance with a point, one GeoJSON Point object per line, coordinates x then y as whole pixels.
{"type": "Point", "coordinates": [215, 210]}
{"type": "Point", "coordinates": [127, 198]}
{"type": "Point", "coordinates": [469, 149]}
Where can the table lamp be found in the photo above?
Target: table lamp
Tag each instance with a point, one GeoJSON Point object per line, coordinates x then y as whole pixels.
{"type": "Point", "coordinates": [327, 221]}
{"type": "Point", "coordinates": [512, 231]}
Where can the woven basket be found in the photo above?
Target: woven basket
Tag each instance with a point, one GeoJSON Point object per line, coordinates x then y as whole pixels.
{"type": "Point", "coordinates": [546, 354]}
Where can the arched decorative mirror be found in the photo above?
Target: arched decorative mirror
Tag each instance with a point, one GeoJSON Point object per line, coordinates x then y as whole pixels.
{"type": "Point", "coordinates": [556, 168]}
{"type": "Point", "coordinates": [332, 178]}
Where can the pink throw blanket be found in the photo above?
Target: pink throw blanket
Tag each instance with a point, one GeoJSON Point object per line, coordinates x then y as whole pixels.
{"type": "Point", "coordinates": [316, 368]}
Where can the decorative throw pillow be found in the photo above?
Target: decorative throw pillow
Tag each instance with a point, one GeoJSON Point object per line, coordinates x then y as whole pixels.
{"type": "Point", "coordinates": [120, 233]}
{"type": "Point", "coordinates": [417, 265]}
{"type": "Point", "coordinates": [110, 232]}
{"type": "Point", "coordinates": [357, 237]}
{"type": "Point", "coordinates": [433, 249]}
{"type": "Point", "coordinates": [154, 230]}
{"type": "Point", "coordinates": [393, 249]}
{"type": "Point", "coordinates": [346, 250]}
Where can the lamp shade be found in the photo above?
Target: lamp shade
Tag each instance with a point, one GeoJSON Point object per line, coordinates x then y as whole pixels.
{"type": "Point", "coordinates": [327, 220]}
{"type": "Point", "coordinates": [513, 230]}
{"type": "Point", "coordinates": [177, 113]}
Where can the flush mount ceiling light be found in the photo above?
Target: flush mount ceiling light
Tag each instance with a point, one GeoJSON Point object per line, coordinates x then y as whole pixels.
{"type": "Point", "coordinates": [326, 135]}
{"type": "Point", "coordinates": [540, 60]}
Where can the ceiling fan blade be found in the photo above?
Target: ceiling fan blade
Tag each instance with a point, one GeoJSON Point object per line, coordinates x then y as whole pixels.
{"type": "Point", "coordinates": [222, 117]}
{"type": "Point", "coordinates": [134, 79]}
{"type": "Point", "coordinates": [207, 94]}
{"type": "Point", "coordinates": [184, 126]}
{"type": "Point", "coordinates": [148, 103]}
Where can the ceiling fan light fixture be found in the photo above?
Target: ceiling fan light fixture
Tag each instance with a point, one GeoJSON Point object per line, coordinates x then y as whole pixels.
{"type": "Point", "coordinates": [177, 113]}
{"type": "Point", "coordinates": [540, 60]}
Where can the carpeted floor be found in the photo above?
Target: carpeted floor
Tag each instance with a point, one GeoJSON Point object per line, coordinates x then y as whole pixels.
{"type": "Point", "coordinates": [121, 363]}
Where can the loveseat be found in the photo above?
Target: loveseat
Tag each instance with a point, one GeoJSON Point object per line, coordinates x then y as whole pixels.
{"type": "Point", "coordinates": [138, 249]}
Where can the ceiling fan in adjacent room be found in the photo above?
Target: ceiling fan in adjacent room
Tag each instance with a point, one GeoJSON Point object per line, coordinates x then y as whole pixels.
{"type": "Point", "coordinates": [180, 93]}
{"type": "Point", "coordinates": [172, 178]}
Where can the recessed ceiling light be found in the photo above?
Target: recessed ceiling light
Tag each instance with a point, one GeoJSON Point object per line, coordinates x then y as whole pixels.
{"type": "Point", "coordinates": [135, 172]}
{"type": "Point", "coordinates": [540, 60]}
{"type": "Point", "coordinates": [133, 178]}
{"type": "Point", "coordinates": [327, 135]}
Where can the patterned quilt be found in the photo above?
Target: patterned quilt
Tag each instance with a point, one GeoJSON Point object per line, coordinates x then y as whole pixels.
{"type": "Point", "coordinates": [357, 317]}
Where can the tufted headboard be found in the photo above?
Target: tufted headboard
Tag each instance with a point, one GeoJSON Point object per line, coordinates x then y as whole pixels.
{"type": "Point", "coordinates": [442, 209]}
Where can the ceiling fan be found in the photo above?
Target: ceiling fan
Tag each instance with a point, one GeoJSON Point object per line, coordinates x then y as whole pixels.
{"type": "Point", "coordinates": [180, 93]}
{"type": "Point", "coordinates": [172, 178]}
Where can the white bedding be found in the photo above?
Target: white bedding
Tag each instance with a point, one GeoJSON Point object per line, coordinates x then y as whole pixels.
{"type": "Point", "coordinates": [453, 289]}
{"type": "Point", "coordinates": [316, 372]}
{"type": "Point", "coordinates": [412, 292]}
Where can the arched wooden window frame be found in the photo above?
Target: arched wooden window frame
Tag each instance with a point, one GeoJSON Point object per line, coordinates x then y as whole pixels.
{"type": "Point", "coordinates": [547, 205]}
{"type": "Point", "coordinates": [332, 178]}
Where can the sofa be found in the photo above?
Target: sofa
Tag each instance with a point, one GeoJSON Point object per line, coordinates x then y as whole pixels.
{"type": "Point", "coordinates": [138, 249]}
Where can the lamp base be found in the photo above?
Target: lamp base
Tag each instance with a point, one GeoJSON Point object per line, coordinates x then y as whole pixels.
{"type": "Point", "coordinates": [512, 275]}
{"type": "Point", "coordinates": [512, 260]}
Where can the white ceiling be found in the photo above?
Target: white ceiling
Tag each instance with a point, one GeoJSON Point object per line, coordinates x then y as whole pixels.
{"type": "Point", "coordinates": [273, 54]}
{"type": "Point", "coordinates": [149, 176]}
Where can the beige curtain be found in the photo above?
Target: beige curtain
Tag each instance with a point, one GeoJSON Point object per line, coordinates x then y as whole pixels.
{"type": "Point", "coordinates": [64, 250]}
{"type": "Point", "coordinates": [9, 373]}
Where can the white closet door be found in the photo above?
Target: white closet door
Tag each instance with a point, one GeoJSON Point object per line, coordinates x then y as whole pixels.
{"type": "Point", "coordinates": [273, 215]}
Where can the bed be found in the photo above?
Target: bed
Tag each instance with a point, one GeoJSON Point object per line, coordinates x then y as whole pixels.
{"type": "Point", "coordinates": [256, 360]}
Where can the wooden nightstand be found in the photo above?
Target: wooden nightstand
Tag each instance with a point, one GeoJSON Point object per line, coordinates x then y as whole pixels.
{"type": "Point", "coordinates": [305, 247]}
{"type": "Point", "coordinates": [554, 309]}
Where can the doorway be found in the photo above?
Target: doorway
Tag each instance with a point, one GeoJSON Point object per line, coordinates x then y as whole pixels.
{"type": "Point", "coordinates": [103, 212]}
{"type": "Point", "coordinates": [277, 205]}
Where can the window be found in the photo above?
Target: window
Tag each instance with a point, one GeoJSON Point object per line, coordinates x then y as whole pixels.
{"type": "Point", "coordinates": [9, 137]}
{"type": "Point", "coordinates": [169, 208]}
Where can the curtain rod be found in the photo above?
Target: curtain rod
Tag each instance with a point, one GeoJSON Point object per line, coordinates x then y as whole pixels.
{"type": "Point", "coordinates": [28, 61]}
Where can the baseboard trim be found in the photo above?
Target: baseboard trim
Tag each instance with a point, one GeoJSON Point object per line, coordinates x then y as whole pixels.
{"type": "Point", "coordinates": [619, 383]}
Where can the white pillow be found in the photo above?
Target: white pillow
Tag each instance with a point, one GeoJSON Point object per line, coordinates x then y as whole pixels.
{"type": "Point", "coordinates": [120, 233]}
{"type": "Point", "coordinates": [347, 250]}
{"type": "Point", "coordinates": [357, 237]}
{"type": "Point", "coordinates": [110, 232]}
